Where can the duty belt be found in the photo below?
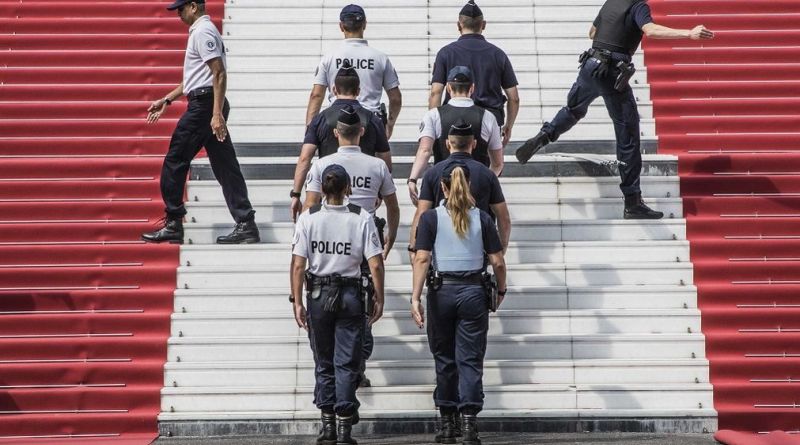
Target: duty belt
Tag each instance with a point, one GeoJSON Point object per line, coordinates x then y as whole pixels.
{"type": "Point", "coordinates": [332, 301]}
{"type": "Point", "coordinates": [476, 279]}
{"type": "Point", "coordinates": [333, 280]}
{"type": "Point", "coordinates": [200, 92]}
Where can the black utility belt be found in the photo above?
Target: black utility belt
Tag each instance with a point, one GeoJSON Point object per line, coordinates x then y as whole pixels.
{"type": "Point", "coordinates": [333, 280]}
{"type": "Point", "coordinates": [476, 279]}
{"type": "Point", "coordinates": [197, 93]}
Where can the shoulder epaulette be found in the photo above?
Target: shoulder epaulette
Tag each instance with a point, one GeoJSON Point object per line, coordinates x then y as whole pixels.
{"type": "Point", "coordinates": [354, 208]}
{"type": "Point", "coordinates": [314, 209]}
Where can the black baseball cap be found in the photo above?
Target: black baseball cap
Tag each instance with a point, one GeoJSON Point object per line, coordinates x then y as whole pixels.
{"type": "Point", "coordinates": [460, 74]}
{"type": "Point", "coordinates": [461, 128]}
{"type": "Point", "coordinates": [349, 116]}
{"type": "Point", "coordinates": [178, 3]}
{"type": "Point", "coordinates": [452, 165]}
{"type": "Point", "coordinates": [352, 12]}
{"type": "Point", "coordinates": [341, 179]}
{"type": "Point", "coordinates": [471, 10]}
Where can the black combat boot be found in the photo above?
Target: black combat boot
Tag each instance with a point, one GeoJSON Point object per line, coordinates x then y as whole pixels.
{"type": "Point", "coordinates": [470, 425]}
{"type": "Point", "coordinates": [172, 231]}
{"type": "Point", "coordinates": [531, 146]}
{"type": "Point", "coordinates": [244, 233]}
{"type": "Point", "coordinates": [635, 208]}
{"type": "Point", "coordinates": [344, 430]}
{"type": "Point", "coordinates": [327, 435]}
{"type": "Point", "coordinates": [447, 427]}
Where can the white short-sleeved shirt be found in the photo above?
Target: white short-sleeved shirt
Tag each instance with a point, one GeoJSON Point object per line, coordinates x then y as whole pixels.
{"type": "Point", "coordinates": [490, 132]}
{"type": "Point", "coordinates": [369, 176]}
{"type": "Point", "coordinates": [374, 69]}
{"type": "Point", "coordinates": [204, 44]}
{"type": "Point", "coordinates": [334, 239]}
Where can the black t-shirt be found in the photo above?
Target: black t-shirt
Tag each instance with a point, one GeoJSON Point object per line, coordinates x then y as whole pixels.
{"type": "Point", "coordinates": [319, 131]}
{"type": "Point", "coordinates": [489, 64]}
{"type": "Point", "coordinates": [429, 225]}
{"type": "Point", "coordinates": [483, 184]}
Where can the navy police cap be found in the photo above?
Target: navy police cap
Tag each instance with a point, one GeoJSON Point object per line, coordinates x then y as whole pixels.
{"type": "Point", "coordinates": [460, 74]}
{"type": "Point", "coordinates": [471, 10]}
{"type": "Point", "coordinates": [349, 116]}
{"type": "Point", "coordinates": [352, 12]}
{"type": "Point", "coordinates": [460, 128]}
{"type": "Point", "coordinates": [338, 173]}
{"type": "Point", "coordinates": [178, 3]}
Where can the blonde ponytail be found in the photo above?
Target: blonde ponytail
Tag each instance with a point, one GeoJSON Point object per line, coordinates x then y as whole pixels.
{"type": "Point", "coordinates": [460, 201]}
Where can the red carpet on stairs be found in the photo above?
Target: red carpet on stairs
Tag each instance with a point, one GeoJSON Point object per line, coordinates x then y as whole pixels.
{"type": "Point", "coordinates": [84, 306]}
{"type": "Point", "coordinates": [730, 109]}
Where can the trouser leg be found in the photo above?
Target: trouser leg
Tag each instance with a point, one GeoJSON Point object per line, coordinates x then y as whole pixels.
{"type": "Point", "coordinates": [581, 96]}
{"type": "Point", "coordinates": [322, 326]}
{"type": "Point", "coordinates": [186, 141]}
{"type": "Point", "coordinates": [349, 340]}
{"type": "Point", "coordinates": [441, 340]}
{"type": "Point", "coordinates": [225, 166]}
{"type": "Point", "coordinates": [623, 111]}
{"type": "Point", "coordinates": [470, 334]}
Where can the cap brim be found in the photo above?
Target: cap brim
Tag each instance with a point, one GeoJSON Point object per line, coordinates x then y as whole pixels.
{"type": "Point", "coordinates": [175, 6]}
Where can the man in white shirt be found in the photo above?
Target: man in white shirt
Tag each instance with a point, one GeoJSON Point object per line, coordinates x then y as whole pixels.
{"type": "Point", "coordinates": [373, 67]}
{"type": "Point", "coordinates": [202, 125]}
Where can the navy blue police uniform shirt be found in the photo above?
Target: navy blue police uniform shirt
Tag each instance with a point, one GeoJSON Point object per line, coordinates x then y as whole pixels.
{"type": "Point", "coordinates": [318, 130]}
{"type": "Point", "coordinates": [489, 64]}
{"type": "Point", "coordinates": [429, 225]}
{"type": "Point", "coordinates": [638, 16]}
{"type": "Point", "coordinates": [483, 184]}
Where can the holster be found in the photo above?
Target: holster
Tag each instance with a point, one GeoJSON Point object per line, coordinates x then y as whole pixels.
{"type": "Point", "coordinates": [490, 284]}
{"type": "Point", "coordinates": [380, 224]}
{"type": "Point", "coordinates": [332, 300]}
{"type": "Point", "coordinates": [433, 280]}
{"type": "Point", "coordinates": [383, 114]}
{"type": "Point", "coordinates": [367, 292]}
{"type": "Point", "coordinates": [626, 71]}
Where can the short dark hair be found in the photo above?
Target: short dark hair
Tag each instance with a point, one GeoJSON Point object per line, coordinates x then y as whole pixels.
{"type": "Point", "coordinates": [460, 87]}
{"type": "Point", "coordinates": [347, 85]}
{"type": "Point", "coordinates": [351, 25]}
{"type": "Point", "coordinates": [471, 23]}
{"type": "Point", "coordinates": [348, 131]}
{"type": "Point", "coordinates": [460, 142]}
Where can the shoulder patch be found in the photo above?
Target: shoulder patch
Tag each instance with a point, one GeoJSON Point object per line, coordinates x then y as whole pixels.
{"type": "Point", "coordinates": [354, 209]}
{"type": "Point", "coordinates": [314, 209]}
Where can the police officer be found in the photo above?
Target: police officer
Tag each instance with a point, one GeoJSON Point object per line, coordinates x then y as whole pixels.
{"type": "Point", "coordinates": [371, 181]}
{"type": "Point", "coordinates": [333, 237]}
{"type": "Point", "coordinates": [320, 133]}
{"type": "Point", "coordinates": [451, 244]}
{"type": "Point", "coordinates": [484, 186]}
{"type": "Point", "coordinates": [203, 124]}
{"type": "Point", "coordinates": [493, 72]}
{"type": "Point", "coordinates": [433, 137]}
{"type": "Point", "coordinates": [605, 71]}
{"type": "Point", "coordinates": [374, 68]}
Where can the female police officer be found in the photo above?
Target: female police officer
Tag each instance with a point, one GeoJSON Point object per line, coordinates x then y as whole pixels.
{"type": "Point", "coordinates": [455, 238]}
{"type": "Point", "coordinates": [334, 237]}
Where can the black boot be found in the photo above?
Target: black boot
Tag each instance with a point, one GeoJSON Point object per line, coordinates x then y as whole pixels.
{"type": "Point", "coordinates": [531, 146]}
{"type": "Point", "coordinates": [327, 435]}
{"type": "Point", "coordinates": [635, 208]}
{"type": "Point", "coordinates": [244, 233]}
{"type": "Point", "coordinates": [363, 381]}
{"type": "Point", "coordinates": [344, 430]}
{"type": "Point", "coordinates": [447, 427]}
{"type": "Point", "coordinates": [172, 231]}
{"type": "Point", "coordinates": [471, 436]}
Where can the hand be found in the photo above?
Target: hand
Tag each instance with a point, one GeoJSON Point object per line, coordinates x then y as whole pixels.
{"type": "Point", "coordinates": [413, 193]}
{"type": "Point", "coordinates": [387, 247]}
{"type": "Point", "coordinates": [700, 32]}
{"type": "Point", "coordinates": [506, 135]}
{"type": "Point", "coordinates": [155, 110]}
{"type": "Point", "coordinates": [418, 313]}
{"type": "Point", "coordinates": [295, 208]}
{"type": "Point", "coordinates": [218, 127]}
{"type": "Point", "coordinates": [300, 316]}
{"type": "Point", "coordinates": [500, 299]}
{"type": "Point", "coordinates": [377, 311]}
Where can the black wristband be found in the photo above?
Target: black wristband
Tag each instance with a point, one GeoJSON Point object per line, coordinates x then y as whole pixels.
{"type": "Point", "coordinates": [291, 298]}
{"type": "Point", "coordinates": [411, 249]}
{"type": "Point", "coordinates": [167, 101]}
{"type": "Point", "coordinates": [502, 293]}
{"type": "Point", "coordinates": [294, 194]}
{"type": "Point", "coordinates": [411, 180]}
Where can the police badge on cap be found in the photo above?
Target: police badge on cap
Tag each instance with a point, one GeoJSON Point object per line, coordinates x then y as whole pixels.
{"type": "Point", "coordinates": [349, 116]}
{"type": "Point", "coordinates": [352, 12]}
{"type": "Point", "coordinates": [460, 128]}
{"type": "Point", "coordinates": [471, 10]}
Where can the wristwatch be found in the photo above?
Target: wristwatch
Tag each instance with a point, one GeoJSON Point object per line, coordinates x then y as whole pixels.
{"type": "Point", "coordinates": [167, 101]}
{"type": "Point", "coordinates": [294, 194]}
{"type": "Point", "coordinates": [411, 181]}
{"type": "Point", "coordinates": [291, 298]}
{"type": "Point", "coordinates": [502, 293]}
{"type": "Point", "coordinates": [412, 249]}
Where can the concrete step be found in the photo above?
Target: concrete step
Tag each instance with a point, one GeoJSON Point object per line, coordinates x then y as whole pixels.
{"type": "Point", "coordinates": [576, 230]}
{"type": "Point", "coordinates": [512, 322]}
{"type": "Point", "coordinates": [408, 372]}
{"type": "Point", "coordinates": [648, 297]}
{"type": "Point", "coordinates": [506, 397]}
{"type": "Point", "coordinates": [546, 165]}
{"type": "Point", "coordinates": [415, 347]}
{"type": "Point", "coordinates": [279, 255]}
{"type": "Point", "coordinates": [543, 274]}
{"type": "Point", "coordinates": [566, 187]}
{"type": "Point", "coordinates": [520, 209]}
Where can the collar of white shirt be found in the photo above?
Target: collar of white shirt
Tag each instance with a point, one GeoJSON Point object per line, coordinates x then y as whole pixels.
{"type": "Point", "coordinates": [198, 22]}
{"type": "Point", "coordinates": [334, 208]}
{"type": "Point", "coordinates": [461, 102]}
{"type": "Point", "coordinates": [356, 42]}
{"type": "Point", "coordinates": [349, 149]}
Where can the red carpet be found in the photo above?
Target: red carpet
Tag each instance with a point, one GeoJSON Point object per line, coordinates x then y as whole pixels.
{"type": "Point", "coordinates": [85, 306]}
{"type": "Point", "coordinates": [729, 109]}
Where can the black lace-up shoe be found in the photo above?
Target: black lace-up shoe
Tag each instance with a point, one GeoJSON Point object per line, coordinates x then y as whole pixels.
{"type": "Point", "coordinates": [244, 233]}
{"type": "Point", "coordinates": [531, 146]}
{"type": "Point", "coordinates": [344, 431]}
{"type": "Point", "coordinates": [171, 231]}
{"type": "Point", "coordinates": [635, 208]}
{"type": "Point", "coordinates": [327, 435]}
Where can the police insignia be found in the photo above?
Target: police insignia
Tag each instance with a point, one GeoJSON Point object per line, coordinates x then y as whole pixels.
{"type": "Point", "coordinates": [211, 45]}
{"type": "Point", "coordinates": [375, 241]}
{"type": "Point", "coordinates": [421, 126]}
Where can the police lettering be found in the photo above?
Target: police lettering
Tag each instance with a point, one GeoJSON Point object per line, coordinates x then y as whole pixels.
{"type": "Point", "coordinates": [359, 64]}
{"type": "Point", "coordinates": [330, 247]}
{"type": "Point", "coordinates": [362, 182]}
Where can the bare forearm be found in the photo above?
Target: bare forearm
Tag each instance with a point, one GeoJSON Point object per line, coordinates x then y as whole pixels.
{"type": "Point", "coordinates": [655, 31]}
{"type": "Point", "coordinates": [175, 93]}
{"type": "Point", "coordinates": [496, 161]}
{"type": "Point", "coordinates": [220, 80]}
{"type": "Point", "coordinates": [314, 102]}
{"type": "Point", "coordinates": [378, 272]}
{"type": "Point", "coordinates": [435, 98]}
{"type": "Point", "coordinates": [420, 270]}
{"type": "Point", "coordinates": [393, 221]}
{"type": "Point", "coordinates": [312, 199]}
{"type": "Point", "coordinates": [300, 173]}
{"type": "Point", "coordinates": [395, 105]}
{"type": "Point", "coordinates": [512, 111]}
{"type": "Point", "coordinates": [297, 279]}
{"type": "Point", "coordinates": [421, 159]}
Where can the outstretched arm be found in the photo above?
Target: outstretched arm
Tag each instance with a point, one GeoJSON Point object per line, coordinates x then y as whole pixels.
{"type": "Point", "coordinates": [654, 31]}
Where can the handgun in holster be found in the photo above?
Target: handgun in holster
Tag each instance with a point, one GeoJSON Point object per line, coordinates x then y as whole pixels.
{"type": "Point", "coordinates": [490, 284]}
{"type": "Point", "coordinates": [383, 114]}
{"type": "Point", "coordinates": [367, 292]}
{"type": "Point", "coordinates": [626, 71]}
{"type": "Point", "coordinates": [434, 280]}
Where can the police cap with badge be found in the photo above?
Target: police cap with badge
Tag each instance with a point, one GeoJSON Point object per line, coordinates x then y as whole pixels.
{"type": "Point", "coordinates": [349, 116]}
{"type": "Point", "coordinates": [179, 3]}
{"type": "Point", "coordinates": [353, 13]}
{"type": "Point", "coordinates": [471, 10]}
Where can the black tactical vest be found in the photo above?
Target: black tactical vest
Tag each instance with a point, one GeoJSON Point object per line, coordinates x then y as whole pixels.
{"type": "Point", "coordinates": [472, 115]}
{"type": "Point", "coordinates": [614, 32]}
{"type": "Point", "coordinates": [330, 145]}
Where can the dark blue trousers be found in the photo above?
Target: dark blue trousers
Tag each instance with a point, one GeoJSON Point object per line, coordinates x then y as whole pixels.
{"type": "Point", "coordinates": [621, 108]}
{"type": "Point", "coordinates": [337, 340]}
{"type": "Point", "coordinates": [458, 323]}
